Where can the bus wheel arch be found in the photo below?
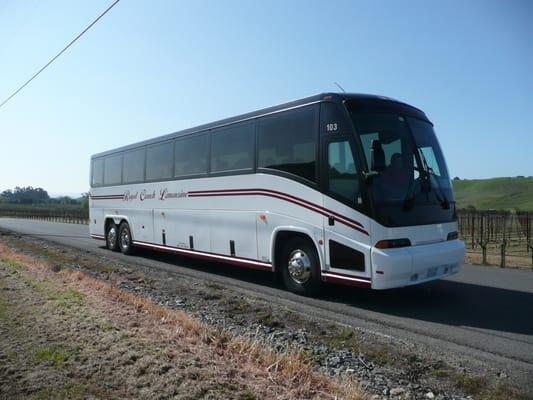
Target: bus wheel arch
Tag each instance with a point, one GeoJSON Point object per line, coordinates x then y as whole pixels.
{"type": "Point", "coordinates": [297, 249]}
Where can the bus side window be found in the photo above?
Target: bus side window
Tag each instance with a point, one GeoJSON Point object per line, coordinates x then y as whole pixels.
{"type": "Point", "coordinates": [287, 142]}
{"type": "Point", "coordinates": [342, 173]}
{"type": "Point", "coordinates": [232, 147]}
{"type": "Point", "coordinates": [133, 171]}
{"type": "Point", "coordinates": [190, 155]}
{"type": "Point", "coordinates": [113, 170]}
{"type": "Point", "coordinates": [97, 172]}
{"type": "Point", "coordinates": [159, 161]}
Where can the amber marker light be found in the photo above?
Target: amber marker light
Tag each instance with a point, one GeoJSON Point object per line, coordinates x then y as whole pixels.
{"type": "Point", "coordinates": [453, 235]}
{"type": "Point", "coordinates": [393, 243]}
{"type": "Point", "coordinates": [263, 217]}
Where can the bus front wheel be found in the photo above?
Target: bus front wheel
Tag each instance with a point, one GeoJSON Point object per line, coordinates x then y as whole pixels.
{"type": "Point", "coordinates": [300, 267]}
{"type": "Point", "coordinates": [125, 239]}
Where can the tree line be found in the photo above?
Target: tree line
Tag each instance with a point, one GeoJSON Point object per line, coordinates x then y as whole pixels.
{"type": "Point", "coordinates": [31, 195]}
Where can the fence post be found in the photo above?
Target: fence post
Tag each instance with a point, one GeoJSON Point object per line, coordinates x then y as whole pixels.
{"type": "Point", "coordinates": [529, 245]}
{"type": "Point", "coordinates": [531, 248]}
{"type": "Point", "coordinates": [472, 229]}
{"type": "Point", "coordinates": [502, 253]}
{"type": "Point", "coordinates": [483, 241]}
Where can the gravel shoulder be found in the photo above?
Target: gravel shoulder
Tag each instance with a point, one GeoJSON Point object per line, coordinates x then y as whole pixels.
{"type": "Point", "coordinates": [66, 334]}
{"type": "Point", "coordinates": [384, 366]}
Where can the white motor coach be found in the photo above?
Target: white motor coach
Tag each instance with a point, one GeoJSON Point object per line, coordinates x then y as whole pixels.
{"type": "Point", "coordinates": [343, 188]}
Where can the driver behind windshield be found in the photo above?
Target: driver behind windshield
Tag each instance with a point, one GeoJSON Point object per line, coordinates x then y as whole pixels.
{"type": "Point", "coordinates": [395, 177]}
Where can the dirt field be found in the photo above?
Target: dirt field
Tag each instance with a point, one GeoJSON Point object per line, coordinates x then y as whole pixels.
{"type": "Point", "coordinates": [67, 335]}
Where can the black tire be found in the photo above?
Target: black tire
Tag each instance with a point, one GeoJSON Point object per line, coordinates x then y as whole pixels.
{"type": "Point", "coordinates": [301, 255]}
{"type": "Point", "coordinates": [111, 237]}
{"type": "Point", "coordinates": [125, 239]}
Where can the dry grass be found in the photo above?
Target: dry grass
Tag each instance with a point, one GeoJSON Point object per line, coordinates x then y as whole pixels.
{"type": "Point", "coordinates": [513, 262]}
{"type": "Point", "coordinates": [266, 372]}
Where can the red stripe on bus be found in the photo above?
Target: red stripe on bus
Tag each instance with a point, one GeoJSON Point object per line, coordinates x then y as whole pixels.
{"type": "Point", "coordinates": [264, 192]}
{"type": "Point", "coordinates": [260, 192]}
{"type": "Point", "coordinates": [108, 197]}
{"type": "Point", "coordinates": [344, 279]}
{"type": "Point", "coordinates": [240, 261]}
{"type": "Point", "coordinates": [283, 194]}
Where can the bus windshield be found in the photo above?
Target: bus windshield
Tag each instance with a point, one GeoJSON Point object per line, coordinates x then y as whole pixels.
{"type": "Point", "coordinates": [410, 184]}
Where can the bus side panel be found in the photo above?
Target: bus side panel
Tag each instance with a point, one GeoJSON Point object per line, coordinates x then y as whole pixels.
{"type": "Point", "coordinates": [141, 223]}
{"type": "Point", "coordinates": [237, 227]}
{"type": "Point", "coordinates": [182, 225]}
{"type": "Point", "coordinates": [96, 221]}
{"type": "Point", "coordinates": [273, 223]}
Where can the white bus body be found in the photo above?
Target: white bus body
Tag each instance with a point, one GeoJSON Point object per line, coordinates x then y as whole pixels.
{"type": "Point", "coordinates": [309, 222]}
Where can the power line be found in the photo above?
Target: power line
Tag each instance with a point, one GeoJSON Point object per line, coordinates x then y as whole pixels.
{"type": "Point", "coordinates": [58, 54]}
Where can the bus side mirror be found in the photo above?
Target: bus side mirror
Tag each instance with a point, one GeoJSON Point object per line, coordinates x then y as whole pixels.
{"type": "Point", "coordinates": [377, 156]}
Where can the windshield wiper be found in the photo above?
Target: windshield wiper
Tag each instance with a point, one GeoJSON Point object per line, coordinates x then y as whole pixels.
{"type": "Point", "coordinates": [441, 197]}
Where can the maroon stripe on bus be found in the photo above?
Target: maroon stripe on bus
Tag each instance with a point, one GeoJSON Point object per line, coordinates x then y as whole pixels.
{"type": "Point", "coordinates": [283, 194]}
{"type": "Point", "coordinates": [108, 196]}
{"type": "Point", "coordinates": [343, 220]}
{"type": "Point", "coordinates": [347, 280]}
{"type": "Point", "coordinates": [364, 278]}
{"type": "Point", "coordinates": [263, 192]}
{"type": "Point", "coordinates": [240, 261]}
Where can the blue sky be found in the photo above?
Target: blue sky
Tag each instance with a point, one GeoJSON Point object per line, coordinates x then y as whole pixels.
{"type": "Point", "coordinates": [150, 68]}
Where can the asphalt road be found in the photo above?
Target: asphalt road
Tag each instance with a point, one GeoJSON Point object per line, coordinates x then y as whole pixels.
{"type": "Point", "coordinates": [482, 314]}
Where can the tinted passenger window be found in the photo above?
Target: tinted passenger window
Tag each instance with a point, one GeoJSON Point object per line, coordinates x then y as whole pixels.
{"type": "Point", "coordinates": [133, 166]}
{"type": "Point", "coordinates": [113, 170]}
{"type": "Point", "coordinates": [287, 142]}
{"type": "Point", "coordinates": [159, 161]}
{"type": "Point", "coordinates": [98, 172]}
{"type": "Point", "coordinates": [232, 147]}
{"type": "Point", "coordinates": [190, 155]}
{"type": "Point", "coordinates": [342, 174]}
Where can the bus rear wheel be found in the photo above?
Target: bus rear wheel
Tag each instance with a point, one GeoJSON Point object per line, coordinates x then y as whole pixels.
{"type": "Point", "coordinates": [111, 237]}
{"type": "Point", "coordinates": [300, 267]}
{"type": "Point", "coordinates": [125, 239]}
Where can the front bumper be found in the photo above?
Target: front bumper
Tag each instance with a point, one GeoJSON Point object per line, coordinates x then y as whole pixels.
{"type": "Point", "coordinates": [406, 266]}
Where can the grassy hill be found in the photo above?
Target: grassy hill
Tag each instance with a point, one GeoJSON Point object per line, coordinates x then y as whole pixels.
{"type": "Point", "coordinates": [495, 193]}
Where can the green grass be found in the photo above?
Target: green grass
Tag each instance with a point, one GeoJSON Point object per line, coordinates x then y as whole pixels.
{"type": "Point", "coordinates": [495, 193]}
{"type": "Point", "coordinates": [67, 391]}
{"type": "Point", "coordinates": [268, 319]}
{"type": "Point", "coordinates": [4, 311]}
{"type": "Point", "coordinates": [8, 262]}
{"type": "Point", "coordinates": [52, 354]}
{"type": "Point", "coordinates": [68, 298]}
{"type": "Point", "coordinates": [64, 298]}
{"type": "Point", "coordinates": [345, 333]}
{"type": "Point", "coordinates": [471, 384]}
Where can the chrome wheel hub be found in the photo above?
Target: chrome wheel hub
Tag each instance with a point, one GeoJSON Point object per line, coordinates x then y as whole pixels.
{"type": "Point", "coordinates": [112, 237]}
{"type": "Point", "coordinates": [299, 266]}
{"type": "Point", "coordinates": [125, 239]}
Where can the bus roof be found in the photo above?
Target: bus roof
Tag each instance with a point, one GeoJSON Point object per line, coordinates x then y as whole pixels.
{"type": "Point", "coordinates": [358, 98]}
